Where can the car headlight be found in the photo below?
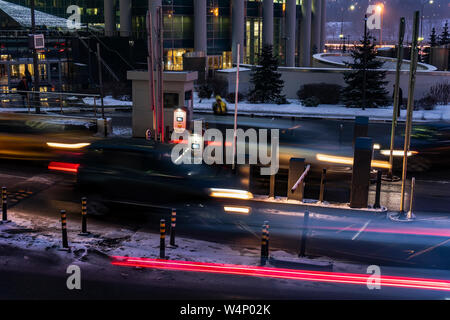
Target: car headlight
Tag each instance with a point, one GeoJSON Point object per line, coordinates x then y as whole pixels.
{"type": "Point", "coordinates": [230, 194]}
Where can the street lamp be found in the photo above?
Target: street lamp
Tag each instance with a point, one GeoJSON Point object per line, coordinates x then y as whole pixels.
{"type": "Point", "coordinates": [380, 9]}
{"type": "Point", "coordinates": [351, 8]}
{"type": "Point", "coordinates": [421, 38]}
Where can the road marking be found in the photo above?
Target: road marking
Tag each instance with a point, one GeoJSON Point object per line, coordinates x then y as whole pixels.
{"type": "Point", "coordinates": [245, 227]}
{"type": "Point", "coordinates": [346, 228]}
{"type": "Point", "coordinates": [428, 249]}
{"type": "Point", "coordinates": [361, 230]}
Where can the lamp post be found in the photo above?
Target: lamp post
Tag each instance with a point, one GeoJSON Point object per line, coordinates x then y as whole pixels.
{"type": "Point", "coordinates": [422, 13]}
{"type": "Point", "coordinates": [35, 61]}
{"type": "Point", "coordinates": [380, 9]}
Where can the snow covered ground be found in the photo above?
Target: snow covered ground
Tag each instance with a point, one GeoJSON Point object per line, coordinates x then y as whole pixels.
{"type": "Point", "coordinates": [296, 109]}
{"type": "Point", "coordinates": [108, 101]}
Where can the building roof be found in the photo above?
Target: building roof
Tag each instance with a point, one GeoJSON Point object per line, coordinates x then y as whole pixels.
{"type": "Point", "coordinates": [22, 15]}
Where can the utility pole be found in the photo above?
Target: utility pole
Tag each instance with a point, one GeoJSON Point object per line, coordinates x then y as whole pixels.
{"type": "Point", "coordinates": [412, 84]}
{"type": "Point", "coordinates": [401, 37]}
{"type": "Point", "coordinates": [151, 71]}
{"type": "Point", "coordinates": [161, 74]}
{"type": "Point", "coordinates": [100, 81]}
{"type": "Point", "coordinates": [35, 61]}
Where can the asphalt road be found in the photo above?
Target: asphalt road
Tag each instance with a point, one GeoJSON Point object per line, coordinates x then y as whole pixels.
{"type": "Point", "coordinates": [365, 238]}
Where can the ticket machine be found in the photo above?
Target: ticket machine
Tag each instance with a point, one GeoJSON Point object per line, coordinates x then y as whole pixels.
{"type": "Point", "coordinates": [180, 120]}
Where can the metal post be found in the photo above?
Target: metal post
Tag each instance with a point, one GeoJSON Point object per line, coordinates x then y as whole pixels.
{"type": "Point", "coordinates": [361, 173]}
{"type": "Point", "coordinates": [364, 64]}
{"type": "Point", "coordinates": [409, 117]}
{"type": "Point", "coordinates": [100, 80]}
{"type": "Point", "coordinates": [4, 205]}
{"type": "Point", "coordinates": [236, 101]}
{"type": "Point", "coordinates": [377, 204]}
{"type": "Point", "coordinates": [361, 127]}
{"type": "Point", "coordinates": [162, 245]}
{"type": "Point", "coordinates": [272, 186]}
{"type": "Point", "coordinates": [35, 60]}
{"type": "Point", "coordinates": [401, 37]}
{"type": "Point", "coordinates": [150, 67]}
{"type": "Point", "coordinates": [410, 214]}
{"type": "Point", "coordinates": [65, 243]}
{"type": "Point", "coordinates": [304, 234]}
{"type": "Point", "coordinates": [322, 185]}
{"type": "Point", "coordinates": [84, 231]}
{"type": "Point", "coordinates": [173, 227]}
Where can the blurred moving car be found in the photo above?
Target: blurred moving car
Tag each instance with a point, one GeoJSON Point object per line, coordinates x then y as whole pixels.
{"type": "Point", "coordinates": [142, 172]}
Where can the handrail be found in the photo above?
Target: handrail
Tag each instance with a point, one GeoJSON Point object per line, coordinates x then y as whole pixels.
{"type": "Point", "coordinates": [53, 93]}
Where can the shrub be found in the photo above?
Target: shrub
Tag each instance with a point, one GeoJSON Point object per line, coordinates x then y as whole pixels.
{"type": "Point", "coordinates": [325, 92]}
{"type": "Point", "coordinates": [441, 92]}
{"type": "Point", "coordinates": [311, 102]}
{"type": "Point", "coordinates": [428, 102]}
{"type": "Point", "coordinates": [219, 86]}
{"type": "Point", "coordinates": [204, 91]}
{"type": "Point", "coordinates": [216, 86]}
{"type": "Point", "coordinates": [230, 97]}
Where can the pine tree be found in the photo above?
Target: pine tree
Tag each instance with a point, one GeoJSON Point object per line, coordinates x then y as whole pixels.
{"type": "Point", "coordinates": [444, 38]}
{"type": "Point", "coordinates": [433, 38]}
{"type": "Point", "coordinates": [266, 81]}
{"type": "Point", "coordinates": [365, 62]}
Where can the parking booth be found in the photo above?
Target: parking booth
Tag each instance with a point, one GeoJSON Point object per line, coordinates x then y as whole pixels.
{"type": "Point", "coordinates": [178, 96]}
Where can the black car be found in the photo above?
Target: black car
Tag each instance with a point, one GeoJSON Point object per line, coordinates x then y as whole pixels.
{"type": "Point", "coordinates": [142, 173]}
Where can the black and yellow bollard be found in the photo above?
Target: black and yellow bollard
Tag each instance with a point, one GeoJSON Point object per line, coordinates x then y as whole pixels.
{"type": "Point", "coordinates": [5, 205]}
{"type": "Point", "coordinates": [65, 242]}
{"type": "Point", "coordinates": [84, 231]}
{"type": "Point", "coordinates": [264, 243]}
{"type": "Point", "coordinates": [173, 227]}
{"type": "Point", "coordinates": [162, 245]}
{"type": "Point", "coordinates": [267, 239]}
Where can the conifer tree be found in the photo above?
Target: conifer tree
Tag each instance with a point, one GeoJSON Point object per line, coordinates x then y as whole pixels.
{"type": "Point", "coordinates": [444, 38]}
{"type": "Point", "coordinates": [365, 84]}
{"type": "Point", "coordinates": [266, 80]}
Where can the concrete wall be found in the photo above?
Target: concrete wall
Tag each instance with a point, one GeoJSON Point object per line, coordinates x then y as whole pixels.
{"type": "Point", "coordinates": [294, 78]}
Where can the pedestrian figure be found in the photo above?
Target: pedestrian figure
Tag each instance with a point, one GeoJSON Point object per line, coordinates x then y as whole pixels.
{"type": "Point", "coordinates": [29, 78]}
{"type": "Point", "coordinates": [400, 100]}
{"type": "Point", "coordinates": [22, 87]}
{"type": "Point", "coordinates": [219, 107]}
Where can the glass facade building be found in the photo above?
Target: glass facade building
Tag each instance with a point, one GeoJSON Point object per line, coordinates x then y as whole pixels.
{"type": "Point", "coordinates": [179, 17]}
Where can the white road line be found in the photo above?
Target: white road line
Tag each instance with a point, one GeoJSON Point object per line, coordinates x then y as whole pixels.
{"type": "Point", "coordinates": [346, 228]}
{"type": "Point", "coordinates": [428, 249]}
{"type": "Point", "coordinates": [361, 230]}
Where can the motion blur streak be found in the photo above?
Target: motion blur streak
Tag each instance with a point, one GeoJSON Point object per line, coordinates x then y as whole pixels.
{"type": "Point", "coordinates": [349, 161]}
{"type": "Point", "coordinates": [63, 166]}
{"type": "Point", "coordinates": [410, 231]}
{"type": "Point", "coordinates": [305, 275]}
{"type": "Point", "coordinates": [67, 145]}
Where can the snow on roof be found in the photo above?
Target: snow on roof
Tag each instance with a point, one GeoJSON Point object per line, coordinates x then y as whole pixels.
{"type": "Point", "coordinates": [22, 15]}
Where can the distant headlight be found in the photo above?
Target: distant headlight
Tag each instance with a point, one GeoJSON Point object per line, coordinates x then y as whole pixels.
{"type": "Point", "coordinates": [230, 194]}
{"type": "Point", "coordinates": [397, 153]}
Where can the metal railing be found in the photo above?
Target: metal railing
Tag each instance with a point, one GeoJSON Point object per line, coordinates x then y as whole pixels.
{"type": "Point", "coordinates": [51, 101]}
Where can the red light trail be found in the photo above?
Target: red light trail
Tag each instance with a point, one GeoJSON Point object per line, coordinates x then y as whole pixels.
{"type": "Point", "coordinates": [63, 166]}
{"type": "Point", "coordinates": [264, 272]}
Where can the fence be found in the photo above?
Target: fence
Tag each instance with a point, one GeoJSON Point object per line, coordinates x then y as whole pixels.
{"type": "Point", "coordinates": [50, 101]}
